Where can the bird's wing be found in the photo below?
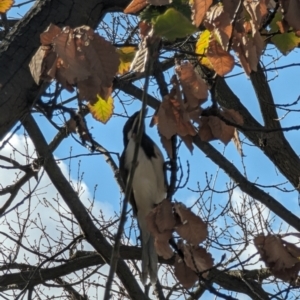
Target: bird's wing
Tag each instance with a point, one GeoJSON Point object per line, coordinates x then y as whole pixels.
{"type": "Point", "coordinates": [160, 170]}
{"type": "Point", "coordinates": [124, 174]}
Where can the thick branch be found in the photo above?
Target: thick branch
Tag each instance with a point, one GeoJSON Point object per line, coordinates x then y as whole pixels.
{"type": "Point", "coordinates": [245, 185]}
{"type": "Point", "coordinates": [17, 87]}
{"type": "Point", "coordinates": [234, 280]}
{"type": "Point", "coordinates": [92, 234]}
{"type": "Point", "coordinates": [274, 146]}
{"type": "Point", "coordinates": [265, 98]}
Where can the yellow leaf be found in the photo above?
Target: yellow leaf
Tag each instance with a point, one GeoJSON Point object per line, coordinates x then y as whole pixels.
{"type": "Point", "coordinates": [201, 48]}
{"type": "Point", "coordinates": [102, 110]}
{"type": "Point", "coordinates": [5, 5]}
{"type": "Point", "coordinates": [126, 55]}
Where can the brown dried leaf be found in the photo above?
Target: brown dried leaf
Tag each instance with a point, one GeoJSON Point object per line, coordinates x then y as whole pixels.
{"type": "Point", "coordinates": [259, 44]}
{"type": "Point", "coordinates": [89, 88]}
{"type": "Point", "coordinates": [219, 21]}
{"type": "Point", "coordinates": [183, 124]}
{"type": "Point", "coordinates": [274, 252]}
{"type": "Point", "coordinates": [292, 13]}
{"type": "Point", "coordinates": [167, 144]}
{"type": "Point", "coordinates": [230, 6]}
{"type": "Point", "coordinates": [101, 55]}
{"type": "Point", "coordinates": [164, 217]}
{"type": "Point", "coordinates": [198, 259]}
{"type": "Point", "coordinates": [194, 87]}
{"type": "Point", "coordinates": [221, 60]}
{"type": "Point", "coordinates": [195, 115]}
{"type": "Point", "coordinates": [237, 47]}
{"type": "Point", "coordinates": [184, 274]}
{"type": "Point", "coordinates": [166, 121]}
{"type": "Point", "coordinates": [60, 76]}
{"type": "Point", "coordinates": [233, 116]}
{"type": "Point", "coordinates": [135, 6]}
{"type": "Point", "coordinates": [78, 57]}
{"type": "Point", "coordinates": [161, 239]}
{"type": "Point", "coordinates": [36, 63]}
{"type": "Point", "coordinates": [162, 246]}
{"type": "Point", "coordinates": [173, 119]}
{"type": "Point", "coordinates": [199, 9]}
{"type": "Point", "coordinates": [75, 69]}
{"type": "Point", "coordinates": [205, 132]}
{"type": "Point", "coordinates": [192, 228]}
{"type": "Point", "coordinates": [289, 275]}
{"type": "Point", "coordinates": [281, 257]}
{"type": "Point", "coordinates": [253, 9]}
{"type": "Point", "coordinates": [220, 130]}
{"type": "Point", "coordinates": [283, 26]}
{"type": "Point", "coordinates": [43, 64]}
{"type": "Point", "coordinates": [50, 66]}
{"type": "Point", "coordinates": [188, 141]}
{"type": "Point", "coordinates": [49, 34]}
{"type": "Point", "coordinates": [144, 28]}
{"type": "Point", "coordinates": [246, 51]}
{"type": "Point", "coordinates": [263, 8]}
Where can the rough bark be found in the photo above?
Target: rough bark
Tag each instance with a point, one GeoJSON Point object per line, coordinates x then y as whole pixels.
{"type": "Point", "coordinates": [17, 88]}
{"type": "Point", "coordinates": [273, 144]}
{"type": "Point", "coordinates": [91, 233]}
{"type": "Point", "coordinates": [233, 280]}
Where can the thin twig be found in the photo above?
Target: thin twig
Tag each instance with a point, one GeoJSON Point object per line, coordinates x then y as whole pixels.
{"type": "Point", "coordinates": [115, 252]}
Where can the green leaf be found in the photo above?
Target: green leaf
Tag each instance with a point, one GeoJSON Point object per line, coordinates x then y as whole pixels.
{"type": "Point", "coordinates": [172, 24]}
{"type": "Point", "coordinates": [273, 26]}
{"type": "Point", "coordinates": [285, 42]}
{"type": "Point", "coordinates": [151, 12]}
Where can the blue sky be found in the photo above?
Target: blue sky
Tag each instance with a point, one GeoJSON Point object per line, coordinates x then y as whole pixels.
{"type": "Point", "coordinates": [285, 88]}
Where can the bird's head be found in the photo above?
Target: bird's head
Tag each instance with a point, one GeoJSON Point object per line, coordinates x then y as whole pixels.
{"type": "Point", "coordinates": [131, 127]}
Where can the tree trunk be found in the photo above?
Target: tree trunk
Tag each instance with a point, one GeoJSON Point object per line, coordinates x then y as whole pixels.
{"type": "Point", "coordinates": [17, 88]}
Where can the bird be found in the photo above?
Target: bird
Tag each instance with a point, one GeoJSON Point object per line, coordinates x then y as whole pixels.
{"type": "Point", "coordinates": [149, 187]}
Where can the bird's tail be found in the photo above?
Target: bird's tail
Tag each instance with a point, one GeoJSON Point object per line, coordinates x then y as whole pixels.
{"type": "Point", "coordinates": [149, 261]}
{"type": "Point", "coordinates": [149, 256]}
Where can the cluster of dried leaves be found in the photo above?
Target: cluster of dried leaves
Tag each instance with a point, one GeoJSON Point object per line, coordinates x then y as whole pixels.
{"type": "Point", "coordinates": [232, 24]}
{"type": "Point", "coordinates": [282, 257]}
{"type": "Point", "coordinates": [195, 261]}
{"type": "Point", "coordinates": [181, 107]}
{"type": "Point", "coordinates": [79, 58]}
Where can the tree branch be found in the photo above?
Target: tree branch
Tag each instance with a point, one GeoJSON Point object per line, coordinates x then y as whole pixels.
{"type": "Point", "coordinates": [233, 280]}
{"type": "Point", "coordinates": [18, 90]}
{"type": "Point", "coordinates": [92, 234]}
{"type": "Point", "coordinates": [245, 185]}
{"type": "Point", "coordinates": [265, 99]}
{"type": "Point", "coordinates": [274, 146]}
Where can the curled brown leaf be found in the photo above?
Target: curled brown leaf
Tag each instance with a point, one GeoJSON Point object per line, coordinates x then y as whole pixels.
{"type": "Point", "coordinates": [191, 227]}
{"type": "Point", "coordinates": [282, 257]}
{"type": "Point", "coordinates": [194, 87]}
{"type": "Point", "coordinates": [197, 258]}
{"type": "Point", "coordinates": [186, 276]}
